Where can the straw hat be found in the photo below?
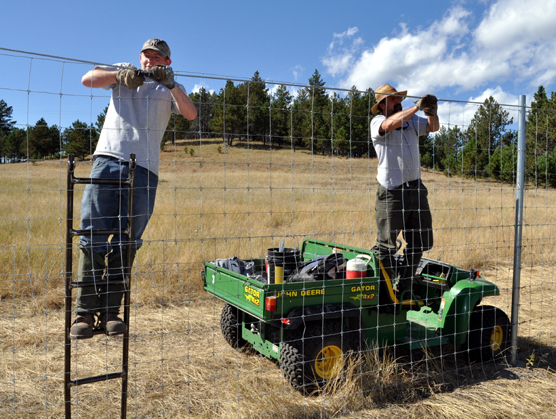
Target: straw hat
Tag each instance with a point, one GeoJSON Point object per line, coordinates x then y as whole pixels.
{"type": "Point", "coordinates": [383, 92]}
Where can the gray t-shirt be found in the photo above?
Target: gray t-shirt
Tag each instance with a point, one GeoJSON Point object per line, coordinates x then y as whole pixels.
{"type": "Point", "coordinates": [136, 121]}
{"type": "Point", "coordinates": [398, 151]}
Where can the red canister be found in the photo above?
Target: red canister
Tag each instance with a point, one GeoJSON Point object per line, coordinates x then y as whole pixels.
{"type": "Point", "coordinates": [357, 267]}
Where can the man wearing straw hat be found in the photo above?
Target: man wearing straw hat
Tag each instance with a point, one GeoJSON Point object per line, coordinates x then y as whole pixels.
{"type": "Point", "coordinates": [401, 203]}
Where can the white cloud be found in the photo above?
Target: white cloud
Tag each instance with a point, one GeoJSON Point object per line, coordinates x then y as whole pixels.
{"type": "Point", "coordinates": [273, 88]}
{"type": "Point", "coordinates": [197, 87]}
{"type": "Point", "coordinates": [502, 97]}
{"type": "Point", "coordinates": [453, 113]}
{"type": "Point", "coordinates": [340, 37]}
{"type": "Point", "coordinates": [515, 23]}
{"type": "Point", "coordinates": [523, 34]}
{"type": "Point", "coordinates": [411, 60]}
{"type": "Point", "coordinates": [294, 90]}
{"type": "Point", "coordinates": [454, 23]}
{"type": "Point", "coordinates": [514, 41]}
{"type": "Point", "coordinates": [297, 72]}
{"type": "Point", "coordinates": [340, 56]}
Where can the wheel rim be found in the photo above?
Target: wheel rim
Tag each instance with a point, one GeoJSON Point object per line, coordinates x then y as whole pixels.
{"type": "Point", "coordinates": [329, 362]}
{"type": "Point", "coordinates": [496, 338]}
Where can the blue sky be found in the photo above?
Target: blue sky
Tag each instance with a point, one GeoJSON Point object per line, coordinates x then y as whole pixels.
{"type": "Point", "coordinates": [460, 50]}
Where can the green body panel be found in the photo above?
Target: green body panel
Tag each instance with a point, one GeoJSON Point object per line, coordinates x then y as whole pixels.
{"type": "Point", "coordinates": [383, 329]}
{"type": "Point", "coordinates": [451, 320]}
{"type": "Point", "coordinates": [238, 290]}
{"type": "Point", "coordinates": [258, 337]}
{"type": "Point", "coordinates": [450, 292]}
{"type": "Point", "coordinates": [249, 295]}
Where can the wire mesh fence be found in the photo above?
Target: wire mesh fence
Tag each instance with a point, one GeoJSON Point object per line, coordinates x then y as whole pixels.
{"type": "Point", "coordinates": [265, 163]}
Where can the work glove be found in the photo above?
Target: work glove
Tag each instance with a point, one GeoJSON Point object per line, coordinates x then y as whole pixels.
{"type": "Point", "coordinates": [164, 75]}
{"type": "Point", "coordinates": [427, 104]}
{"type": "Point", "coordinates": [130, 77]}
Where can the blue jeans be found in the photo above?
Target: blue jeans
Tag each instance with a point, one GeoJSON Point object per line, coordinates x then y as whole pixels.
{"type": "Point", "coordinates": [105, 206]}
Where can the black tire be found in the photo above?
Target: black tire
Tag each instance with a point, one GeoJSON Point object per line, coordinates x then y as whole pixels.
{"type": "Point", "coordinates": [310, 361]}
{"type": "Point", "coordinates": [489, 333]}
{"type": "Point", "coordinates": [230, 324]}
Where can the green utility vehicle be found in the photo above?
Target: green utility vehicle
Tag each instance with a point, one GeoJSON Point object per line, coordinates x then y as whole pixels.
{"type": "Point", "coordinates": [310, 326]}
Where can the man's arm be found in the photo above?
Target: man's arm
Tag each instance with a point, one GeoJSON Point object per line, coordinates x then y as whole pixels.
{"type": "Point", "coordinates": [98, 77]}
{"type": "Point", "coordinates": [397, 120]}
{"type": "Point", "coordinates": [184, 103]}
{"type": "Point", "coordinates": [433, 123]}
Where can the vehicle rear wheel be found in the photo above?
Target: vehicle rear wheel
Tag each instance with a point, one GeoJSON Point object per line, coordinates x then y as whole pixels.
{"type": "Point", "coordinates": [488, 335]}
{"type": "Point", "coordinates": [309, 362]}
{"type": "Point", "coordinates": [230, 324]}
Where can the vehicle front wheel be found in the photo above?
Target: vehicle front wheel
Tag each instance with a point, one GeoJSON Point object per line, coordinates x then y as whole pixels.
{"type": "Point", "coordinates": [310, 361]}
{"type": "Point", "coordinates": [488, 335]}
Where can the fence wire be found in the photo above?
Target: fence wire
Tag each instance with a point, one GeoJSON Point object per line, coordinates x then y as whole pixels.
{"type": "Point", "coordinates": [263, 163]}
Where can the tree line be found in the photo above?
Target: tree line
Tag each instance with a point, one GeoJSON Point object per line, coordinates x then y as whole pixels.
{"type": "Point", "coordinates": [321, 122]}
{"type": "Point", "coordinates": [42, 141]}
{"type": "Point", "coordinates": [487, 147]}
{"type": "Point", "coordinates": [313, 120]}
{"type": "Point", "coordinates": [245, 111]}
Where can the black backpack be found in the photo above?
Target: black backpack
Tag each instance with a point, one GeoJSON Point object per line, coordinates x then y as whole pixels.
{"type": "Point", "coordinates": [320, 268]}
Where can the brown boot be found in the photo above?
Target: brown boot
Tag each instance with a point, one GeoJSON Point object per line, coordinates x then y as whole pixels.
{"type": "Point", "coordinates": [82, 327]}
{"type": "Point", "coordinates": [112, 324]}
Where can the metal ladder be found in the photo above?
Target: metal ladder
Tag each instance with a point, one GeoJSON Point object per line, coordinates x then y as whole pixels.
{"type": "Point", "coordinates": [69, 285]}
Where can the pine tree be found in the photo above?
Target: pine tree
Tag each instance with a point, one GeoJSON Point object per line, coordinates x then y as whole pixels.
{"type": "Point", "coordinates": [258, 104]}
{"type": "Point", "coordinates": [486, 132]}
{"type": "Point", "coordinates": [178, 128]}
{"type": "Point", "coordinates": [43, 141]}
{"type": "Point", "coordinates": [541, 138]}
{"type": "Point", "coordinates": [340, 128]}
{"type": "Point", "coordinates": [281, 113]}
{"type": "Point", "coordinates": [442, 150]}
{"type": "Point", "coordinates": [78, 139]}
{"type": "Point", "coordinates": [12, 144]}
{"type": "Point", "coordinates": [6, 122]}
{"type": "Point", "coordinates": [301, 117]}
{"type": "Point", "coordinates": [229, 118]}
{"type": "Point", "coordinates": [359, 105]}
{"type": "Point", "coordinates": [204, 101]}
{"type": "Point", "coordinates": [316, 127]}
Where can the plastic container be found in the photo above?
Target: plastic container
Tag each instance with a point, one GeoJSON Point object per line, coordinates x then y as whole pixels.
{"type": "Point", "coordinates": [357, 267]}
{"type": "Point", "coordinates": [280, 265]}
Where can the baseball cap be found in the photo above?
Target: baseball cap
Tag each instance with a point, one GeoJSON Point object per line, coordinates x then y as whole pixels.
{"type": "Point", "coordinates": [157, 45]}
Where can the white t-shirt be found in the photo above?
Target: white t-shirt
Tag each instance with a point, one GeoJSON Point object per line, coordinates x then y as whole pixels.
{"type": "Point", "coordinates": [398, 151]}
{"type": "Point", "coordinates": [136, 121]}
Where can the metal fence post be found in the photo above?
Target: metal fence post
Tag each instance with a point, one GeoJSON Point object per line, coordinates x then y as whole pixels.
{"type": "Point", "coordinates": [520, 180]}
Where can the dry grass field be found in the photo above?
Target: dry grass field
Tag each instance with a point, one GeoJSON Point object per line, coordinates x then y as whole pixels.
{"type": "Point", "coordinates": [221, 202]}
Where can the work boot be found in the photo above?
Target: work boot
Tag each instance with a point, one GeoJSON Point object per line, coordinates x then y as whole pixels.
{"type": "Point", "coordinates": [82, 327]}
{"type": "Point", "coordinates": [112, 324]}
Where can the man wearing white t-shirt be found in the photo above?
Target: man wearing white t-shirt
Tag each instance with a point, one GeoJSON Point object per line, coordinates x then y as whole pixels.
{"type": "Point", "coordinates": [137, 117]}
{"type": "Point", "coordinates": [401, 204]}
